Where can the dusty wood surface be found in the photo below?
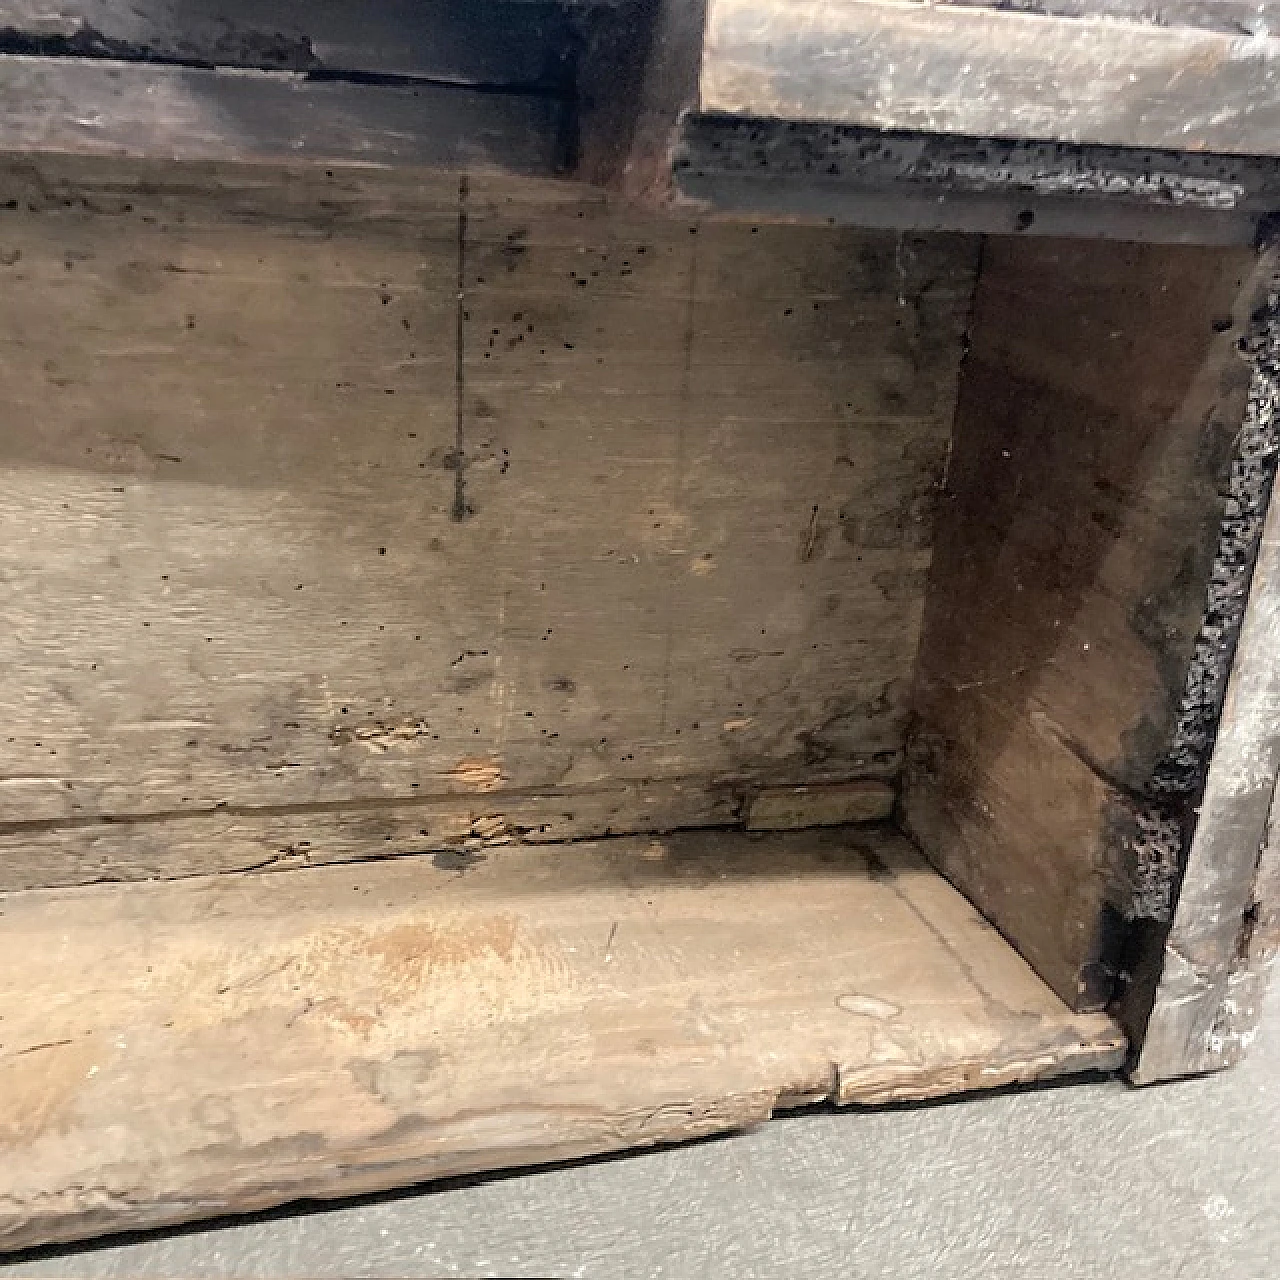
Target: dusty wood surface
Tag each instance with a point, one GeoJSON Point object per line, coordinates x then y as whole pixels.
{"type": "Point", "coordinates": [1216, 958]}
{"type": "Point", "coordinates": [1101, 403]}
{"type": "Point", "coordinates": [175, 1051]}
{"type": "Point", "coordinates": [91, 107]}
{"type": "Point", "coordinates": [992, 74]}
{"type": "Point", "coordinates": [273, 541]}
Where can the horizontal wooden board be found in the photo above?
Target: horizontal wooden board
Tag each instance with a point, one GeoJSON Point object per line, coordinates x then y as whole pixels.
{"type": "Point", "coordinates": [91, 107]}
{"type": "Point", "coordinates": [805, 171]}
{"type": "Point", "coordinates": [694, 467]}
{"type": "Point", "coordinates": [177, 1051]}
{"type": "Point", "coordinates": [975, 71]}
{"type": "Point", "coordinates": [486, 42]}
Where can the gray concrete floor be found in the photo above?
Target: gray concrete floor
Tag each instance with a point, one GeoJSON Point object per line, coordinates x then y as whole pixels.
{"type": "Point", "coordinates": [1091, 1179]}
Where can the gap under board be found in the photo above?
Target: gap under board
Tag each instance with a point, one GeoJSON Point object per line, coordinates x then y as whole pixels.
{"type": "Point", "coordinates": [177, 1050]}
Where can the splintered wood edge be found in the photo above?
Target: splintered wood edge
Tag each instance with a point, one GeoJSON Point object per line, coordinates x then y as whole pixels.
{"type": "Point", "coordinates": [178, 1050]}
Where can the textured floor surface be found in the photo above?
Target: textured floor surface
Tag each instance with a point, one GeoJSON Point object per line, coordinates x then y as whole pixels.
{"type": "Point", "coordinates": [1087, 1180]}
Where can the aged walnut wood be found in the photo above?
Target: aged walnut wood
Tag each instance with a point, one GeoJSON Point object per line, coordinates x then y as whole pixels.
{"type": "Point", "coordinates": [276, 546]}
{"type": "Point", "coordinates": [173, 1051]}
{"type": "Point", "coordinates": [985, 73]}
{"type": "Point", "coordinates": [1102, 397]}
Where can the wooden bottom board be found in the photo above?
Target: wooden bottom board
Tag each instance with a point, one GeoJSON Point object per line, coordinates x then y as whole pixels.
{"type": "Point", "coordinates": [177, 1050]}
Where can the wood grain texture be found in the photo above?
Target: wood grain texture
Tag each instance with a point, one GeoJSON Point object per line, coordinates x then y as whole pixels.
{"type": "Point", "coordinates": [272, 540]}
{"type": "Point", "coordinates": [1103, 392]}
{"type": "Point", "coordinates": [90, 107]}
{"type": "Point", "coordinates": [1217, 956]}
{"type": "Point", "coordinates": [1001, 74]}
{"type": "Point", "coordinates": [177, 1051]}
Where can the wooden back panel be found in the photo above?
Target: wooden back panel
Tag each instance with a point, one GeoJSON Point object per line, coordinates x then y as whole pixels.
{"type": "Point", "coordinates": [350, 512]}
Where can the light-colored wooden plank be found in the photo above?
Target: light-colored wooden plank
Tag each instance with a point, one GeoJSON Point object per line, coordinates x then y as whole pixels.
{"type": "Point", "coordinates": [992, 74]}
{"type": "Point", "coordinates": [230, 549]}
{"type": "Point", "coordinates": [174, 1051]}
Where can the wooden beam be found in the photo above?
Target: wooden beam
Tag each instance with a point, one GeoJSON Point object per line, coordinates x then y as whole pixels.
{"type": "Point", "coordinates": [1000, 74]}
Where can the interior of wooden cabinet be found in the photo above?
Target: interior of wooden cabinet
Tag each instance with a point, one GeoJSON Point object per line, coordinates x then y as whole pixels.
{"type": "Point", "coordinates": [583, 573]}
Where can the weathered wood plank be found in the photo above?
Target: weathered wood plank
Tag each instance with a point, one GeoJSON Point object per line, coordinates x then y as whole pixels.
{"type": "Point", "coordinates": [488, 42]}
{"type": "Point", "coordinates": [694, 493]}
{"type": "Point", "coordinates": [172, 112]}
{"type": "Point", "coordinates": [1232, 17]}
{"type": "Point", "coordinates": [178, 1051]}
{"type": "Point", "coordinates": [992, 74]}
{"type": "Point", "coordinates": [1102, 401]}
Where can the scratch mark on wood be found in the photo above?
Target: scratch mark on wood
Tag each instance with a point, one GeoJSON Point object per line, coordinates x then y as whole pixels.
{"type": "Point", "coordinates": [35, 1048]}
{"type": "Point", "coordinates": [460, 508]}
{"type": "Point", "coordinates": [811, 535]}
{"type": "Point", "coordinates": [686, 385]}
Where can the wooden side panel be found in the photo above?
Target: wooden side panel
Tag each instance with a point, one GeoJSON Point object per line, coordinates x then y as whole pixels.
{"type": "Point", "coordinates": [177, 1051]}
{"type": "Point", "coordinates": [1102, 397]}
{"type": "Point", "coordinates": [1000, 74]}
{"type": "Point", "coordinates": [360, 488]}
